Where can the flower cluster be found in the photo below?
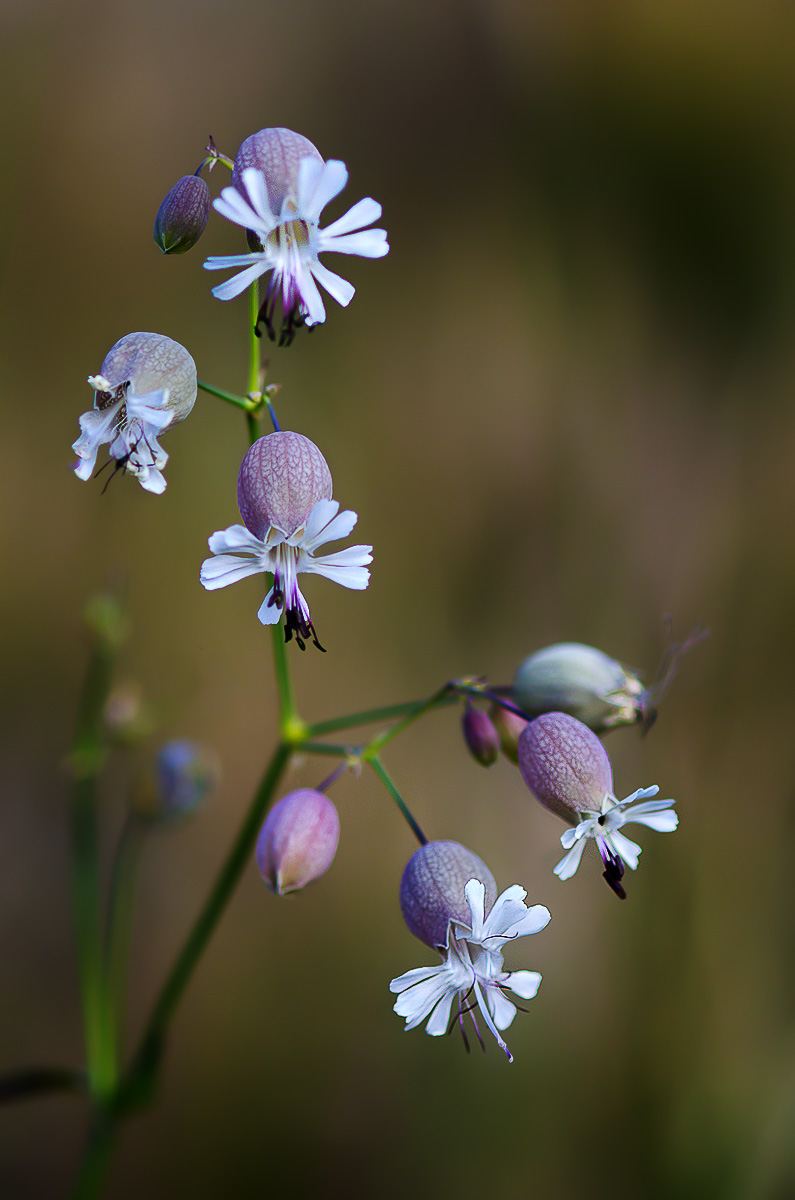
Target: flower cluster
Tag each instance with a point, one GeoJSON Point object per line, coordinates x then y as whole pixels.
{"type": "Point", "coordinates": [562, 697]}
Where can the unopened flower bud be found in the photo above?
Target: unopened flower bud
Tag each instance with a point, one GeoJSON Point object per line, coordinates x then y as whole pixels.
{"type": "Point", "coordinates": [579, 680]}
{"type": "Point", "coordinates": [565, 765]}
{"type": "Point", "coordinates": [186, 774]}
{"type": "Point", "coordinates": [182, 217]}
{"type": "Point", "coordinates": [281, 479]}
{"type": "Point", "coordinates": [432, 889]}
{"type": "Point", "coordinates": [509, 726]}
{"type": "Point", "coordinates": [298, 841]}
{"type": "Point", "coordinates": [480, 736]}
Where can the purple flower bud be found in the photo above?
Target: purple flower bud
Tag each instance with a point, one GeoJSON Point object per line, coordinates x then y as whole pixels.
{"type": "Point", "coordinates": [480, 736]}
{"type": "Point", "coordinates": [432, 889]}
{"type": "Point", "coordinates": [509, 726]}
{"type": "Point", "coordinates": [565, 765]}
{"type": "Point", "coordinates": [278, 154]}
{"type": "Point", "coordinates": [298, 841]}
{"type": "Point", "coordinates": [182, 217]}
{"type": "Point", "coordinates": [281, 479]}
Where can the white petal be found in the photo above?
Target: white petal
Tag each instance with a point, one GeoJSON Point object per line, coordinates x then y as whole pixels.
{"type": "Point", "coordinates": [509, 908]}
{"type": "Point", "coordinates": [269, 613]}
{"type": "Point", "coordinates": [238, 283]}
{"type": "Point", "coordinates": [222, 262]}
{"type": "Point", "coordinates": [475, 892]}
{"type": "Point", "coordinates": [534, 920]}
{"type": "Point", "coordinates": [236, 538]}
{"type": "Point", "coordinates": [502, 1010]}
{"type": "Point", "coordinates": [368, 243]}
{"type": "Point", "coordinates": [663, 822]}
{"type": "Point", "coordinates": [364, 212]}
{"type": "Point", "coordinates": [524, 983]}
{"type": "Point", "coordinates": [313, 301]}
{"type": "Point", "coordinates": [151, 480]}
{"type": "Point", "coordinates": [257, 188]}
{"type": "Point", "coordinates": [224, 569]}
{"type": "Point", "coordinates": [354, 578]}
{"type": "Point", "coordinates": [625, 848]}
{"type": "Point", "coordinates": [409, 978]}
{"type": "Point", "coordinates": [332, 529]}
{"type": "Point", "coordinates": [321, 515]}
{"type": "Point", "coordinates": [338, 288]}
{"type": "Point", "coordinates": [84, 466]}
{"type": "Point", "coordinates": [485, 1008]}
{"type": "Point", "coordinates": [315, 190]}
{"type": "Point", "coordinates": [570, 862]}
{"type": "Point", "coordinates": [440, 1017]}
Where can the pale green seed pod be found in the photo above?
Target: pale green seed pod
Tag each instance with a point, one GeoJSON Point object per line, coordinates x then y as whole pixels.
{"type": "Point", "coordinates": [579, 680]}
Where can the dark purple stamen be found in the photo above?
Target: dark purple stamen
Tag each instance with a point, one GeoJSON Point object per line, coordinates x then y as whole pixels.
{"type": "Point", "coordinates": [613, 872]}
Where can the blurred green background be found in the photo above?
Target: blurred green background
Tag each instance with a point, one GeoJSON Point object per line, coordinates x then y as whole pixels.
{"type": "Point", "coordinates": [562, 407]}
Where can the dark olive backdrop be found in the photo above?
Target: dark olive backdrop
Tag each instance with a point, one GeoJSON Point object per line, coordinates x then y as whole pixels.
{"type": "Point", "coordinates": [562, 407]}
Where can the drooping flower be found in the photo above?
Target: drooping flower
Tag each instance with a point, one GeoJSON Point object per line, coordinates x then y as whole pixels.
{"type": "Point", "coordinates": [615, 848]}
{"type": "Point", "coordinates": [147, 383]}
{"type": "Point", "coordinates": [567, 769]}
{"type": "Point", "coordinates": [284, 494]}
{"type": "Point", "coordinates": [433, 897]}
{"type": "Point", "coordinates": [280, 186]}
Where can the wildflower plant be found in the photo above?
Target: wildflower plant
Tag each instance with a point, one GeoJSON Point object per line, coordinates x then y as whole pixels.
{"type": "Point", "coordinates": [280, 185]}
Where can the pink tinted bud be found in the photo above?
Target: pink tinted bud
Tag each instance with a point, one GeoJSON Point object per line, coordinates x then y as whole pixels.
{"type": "Point", "coordinates": [281, 479]}
{"type": "Point", "coordinates": [509, 726]}
{"type": "Point", "coordinates": [480, 736]}
{"type": "Point", "coordinates": [565, 765]}
{"type": "Point", "coordinates": [432, 889]}
{"type": "Point", "coordinates": [298, 841]}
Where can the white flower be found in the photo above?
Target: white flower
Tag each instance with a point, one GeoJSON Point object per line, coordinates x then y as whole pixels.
{"type": "Point", "coordinates": [615, 848]}
{"type": "Point", "coordinates": [292, 240]}
{"type": "Point", "coordinates": [239, 552]}
{"type": "Point", "coordinates": [472, 969]}
{"type": "Point", "coordinates": [147, 383]}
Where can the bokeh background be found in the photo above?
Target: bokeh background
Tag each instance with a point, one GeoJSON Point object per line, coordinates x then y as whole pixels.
{"type": "Point", "coordinates": [562, 407]}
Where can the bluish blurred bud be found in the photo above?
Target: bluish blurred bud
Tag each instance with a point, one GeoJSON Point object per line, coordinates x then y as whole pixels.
{"type": "Point", "coordinates": [581, 681]}
{"type": "Point", "coordinates": [480, 736]}
{"type": "Point", "coordinates": [565, 765]}
{"type": "Point", "coordinates": [509, 726]}
{"type": "Point", "coordinates": [432, 889]}
{"type": "Point", "coordinates": [298, 841]}
{"type": "Point", "coordinates": [182, 217]}
{"type": "Point", "coordinates": [186, 774]}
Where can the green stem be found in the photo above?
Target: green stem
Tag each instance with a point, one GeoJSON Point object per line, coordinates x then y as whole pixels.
{"type": "Point", "coordinates": [369, 716]}
{"type": "Point", "coordinates": [146, 1060]}
{"type": "Point", "coordinates": [383, 739]}
{"type": "Point", "coordinates": [120, 914]}
{"type": "Point", "coordinates": [96, 1159]}
{"type": "Point", "coordinates": [327, 748]}
{"type": "Point", "coordinates": [254, 357]}
{"type": "Point", "coordinates": [86, 760]}
{"type": "Point", "coordinates": [245, 402]}
{"type": "Point", "coordinates": [381, 772]}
